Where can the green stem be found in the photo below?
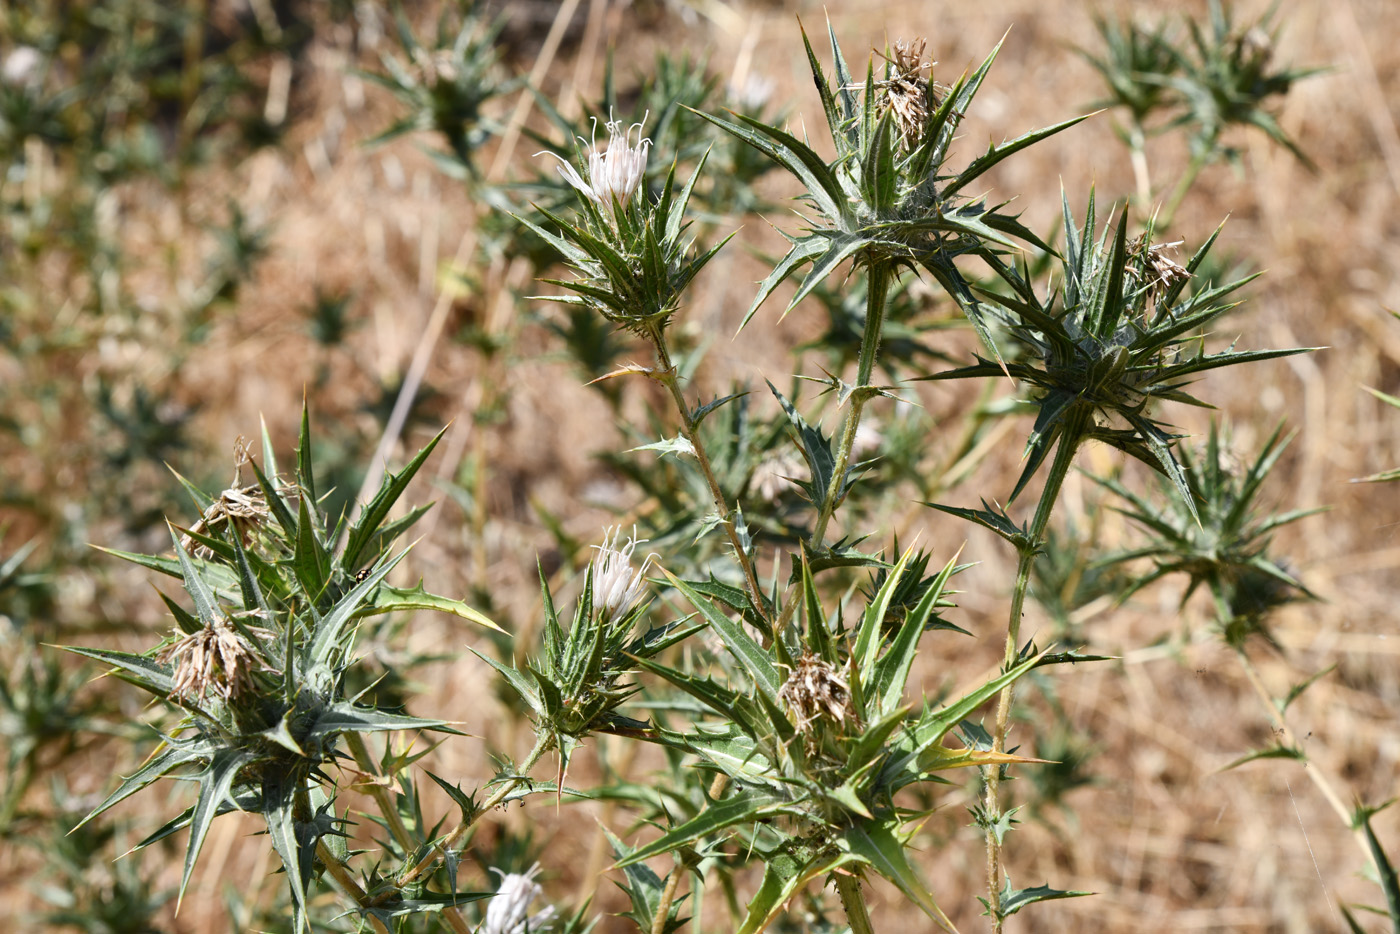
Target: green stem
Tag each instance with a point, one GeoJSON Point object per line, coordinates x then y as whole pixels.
{"type": "Point", "coordinates": [878, 282]}
{"type": "Point", "coordinates": [1077, 421]}
{"type": "Point", "coordinates": [689, 428]}
{"type": "Point", "coordinates": [344, 880]}
{"type": "Point", "coordinates": [1188, 178]}
{"type": "Point", "coordinates": [877, 289]}
{"type": "Point", "coordinates": [1137, 144]}
{"type": "Point", "coordinates": [853, 901]}
{"type": "Point", "coordinates": [379, 791]}
{"type": "Point", "coordinates": [543, 744]}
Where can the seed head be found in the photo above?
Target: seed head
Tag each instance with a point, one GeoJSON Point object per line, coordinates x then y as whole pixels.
{"type": "Point", "coordinates": [615, 173]}
{"type": "Point", "coordinates": [1165, 271]}
{"type": "Point", "coordinates": [244, 508]}
{"type": "Point", "coordinates": [617, 586]}
{"type": "Point", "coordinates": [217, 657]}
{"type": "Point", "coordinates": [509, 911]}
{"type": "Point", "coordinates": [816, 690]}
{"type": "Point", "coordinates": [907, 90]}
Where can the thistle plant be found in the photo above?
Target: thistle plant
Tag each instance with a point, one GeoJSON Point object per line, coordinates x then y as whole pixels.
{"type": "Point", "coordinates": [1223, 78]}
{"type": "Point", "coordinates": [1220, 540]}
{"type": "Point", "coordinates": [634, 261]}
{"type": "Point", "coordinates": [1121, 335]}
{"type": "Point", "coordinates": [445, 87]}
{"type": "Point", "coordinates": [771, 667]}
{"type": "Point", "coordinates": [821, 736]}
{"type": "Point", "coordinates": [886, 202]}
{"type": "Point", "coordinates": [257, 671]}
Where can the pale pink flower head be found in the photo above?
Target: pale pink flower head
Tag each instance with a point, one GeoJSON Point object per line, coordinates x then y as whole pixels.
{"type": "Point", "coordinates": [616, 172]}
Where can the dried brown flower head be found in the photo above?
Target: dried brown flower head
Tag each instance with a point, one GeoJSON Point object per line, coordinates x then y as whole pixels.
{"type": "Point", "coordinates": [217, 657]}
{"type": "Point", "coordinates": [816, 690]}
{"type": "Point", "coordinates": [907, 90]}
{"type": "Point", "coordinates": [1165, 271]}
{"type": "Point", "coordinates": [242, 507]}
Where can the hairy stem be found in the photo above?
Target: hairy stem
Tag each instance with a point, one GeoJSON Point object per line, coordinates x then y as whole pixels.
{"type": "Point", "coordinates": [853, 901]}
{"type": "Point", "coordinates": [689, 427]}
{"type": "Point", "coordinates": [1070, 436]}
{"type": "Point", "coordinates": [542, 745]}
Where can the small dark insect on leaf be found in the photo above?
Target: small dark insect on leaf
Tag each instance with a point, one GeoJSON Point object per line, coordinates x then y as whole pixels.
{"type": "Point", "coordinates": [361, 574]}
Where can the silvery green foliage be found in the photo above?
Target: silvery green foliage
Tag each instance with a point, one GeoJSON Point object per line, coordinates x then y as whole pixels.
{"type": "Point", "coordinates": [889, 196]}
{"type": "Point", "coordinates": [1120, 336]}
{"type": "Point", "coordinates": [820, 734]}
{"type": "Point", "coordinates": [259, 665]}
{"type": "Point", "coordinates": [783, 722]}
{"type": "Point", "coordinates": [445, 86]}
{"type": "Point", "coordinates": [1217, 536]}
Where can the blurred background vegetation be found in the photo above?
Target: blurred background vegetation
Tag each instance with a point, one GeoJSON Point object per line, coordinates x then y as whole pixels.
{"type": "Point", "coordinates": [210, 210]}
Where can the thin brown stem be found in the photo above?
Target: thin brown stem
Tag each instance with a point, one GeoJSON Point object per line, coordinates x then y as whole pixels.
{"type": "Point", "coordinates": [668, 895]}
{"type": "Point", "coordinates": [377, 789]}
{"type": "Point", "coordinates": [689, 428]}
{"type": "Point", "coordinates": [1285, 736]}
{"type": "Point", "coordinates": [1070, 435]}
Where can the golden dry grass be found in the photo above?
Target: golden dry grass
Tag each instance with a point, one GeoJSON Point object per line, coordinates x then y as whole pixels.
{"type": "Point", "coordinates": [1166, 840]}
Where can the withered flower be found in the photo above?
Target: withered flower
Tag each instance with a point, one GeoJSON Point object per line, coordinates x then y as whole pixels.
{"type": "Point", "coordinates": [217, 656]}
{"type": "Point", "coordinates": [1165, 271]}
{"type": "Point", "coordinates": [816, 690]}
{"type": "Point", "coordinates": [907, 90]}
{"type": "Point", "coordinates": [244, 508]}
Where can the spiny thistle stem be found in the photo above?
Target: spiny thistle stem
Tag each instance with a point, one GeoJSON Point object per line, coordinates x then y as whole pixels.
{"type": "Point", "coordinates": [383, 797]}
{"type": "Point", "coordinates": [667, 377]}
{"type": "Point", "coordinates": [1070, 438]}
{"type": "Point", "coordinates": [853, 901]}
{"type": "Point", "coordinates": [543, 744]}
{"type": "Point", "coordinates": [878, 286]}
{"type": "Point", "coordinates": [384, 800]}
{"type": "Point", "coordinates": [345, 880]}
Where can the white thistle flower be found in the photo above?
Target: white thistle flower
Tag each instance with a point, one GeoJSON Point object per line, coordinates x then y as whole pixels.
{"type": "Point", "coordinates": [617, 586]}
{"type": "Point", "coordinates": [509, 911]}
{"type": "Point", "coordinates": [614, 173]}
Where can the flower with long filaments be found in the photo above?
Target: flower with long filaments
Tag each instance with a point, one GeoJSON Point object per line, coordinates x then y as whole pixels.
{"type": "Point", "coordinates": [509, 911]}
{"type": "Point", "coordinates": [617, 586]}
{"type": "Point", "coordinates": [615, 173]}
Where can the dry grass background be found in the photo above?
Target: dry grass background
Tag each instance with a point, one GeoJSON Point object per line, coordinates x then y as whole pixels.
{"type": "Point", "coordinates": [1166, 840]}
